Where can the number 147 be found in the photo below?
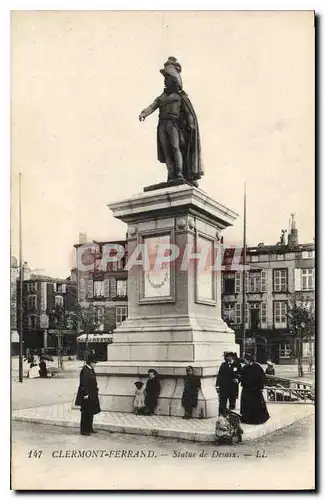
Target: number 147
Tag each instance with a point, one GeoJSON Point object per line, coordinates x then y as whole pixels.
{"type": "Point", "coordinates": [34, 454]}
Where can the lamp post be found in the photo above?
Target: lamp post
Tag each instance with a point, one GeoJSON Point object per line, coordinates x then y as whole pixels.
{"type": "Point", "coordinates": [21, 281]}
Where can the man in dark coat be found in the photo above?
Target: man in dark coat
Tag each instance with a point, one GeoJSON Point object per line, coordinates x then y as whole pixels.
{"type": "Point", "coordinates": [178, 137]}
{"type": "Point", "coordinates": [192, 385]}
{"type": "Point", "coordinates": [252, 405]}
{"type": "Point", "coordinates": [227, 383]}
{"type": "Point", "coordinates": [87, 397]}
{"type": "Point", "coordinates": [152, 392]}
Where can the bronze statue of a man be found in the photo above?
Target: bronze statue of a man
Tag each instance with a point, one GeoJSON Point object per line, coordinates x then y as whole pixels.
{"type": "Point", "coordinates": [178, 137]}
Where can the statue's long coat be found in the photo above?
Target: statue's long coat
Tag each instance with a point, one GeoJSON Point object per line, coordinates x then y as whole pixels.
{"type": "Point", "coordinates": [189, 140]}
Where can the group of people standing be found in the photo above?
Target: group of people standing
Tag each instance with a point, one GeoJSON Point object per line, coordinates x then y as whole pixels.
{"type": "Point", "coordinates": [231, 374]}
{"type": "Point", "coordinates": [252, 378]}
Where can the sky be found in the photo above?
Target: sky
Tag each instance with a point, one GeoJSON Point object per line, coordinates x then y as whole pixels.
{"type": "Point", "coordinates": [79, 81]}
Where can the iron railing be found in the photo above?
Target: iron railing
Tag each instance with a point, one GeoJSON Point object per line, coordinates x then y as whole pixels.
{"type": "Point", "coordinates": [285, 390]}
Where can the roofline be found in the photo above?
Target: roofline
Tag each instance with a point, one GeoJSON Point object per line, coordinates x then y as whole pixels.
{"type": "Point", "coordinates": [77, 245]}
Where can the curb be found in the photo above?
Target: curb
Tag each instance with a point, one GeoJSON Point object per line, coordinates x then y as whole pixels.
{"type": "Point", "coordinates": [250, 432]}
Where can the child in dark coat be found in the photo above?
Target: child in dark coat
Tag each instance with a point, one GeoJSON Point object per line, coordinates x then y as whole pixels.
{"type": "Point", "coordinates": [152, 392]}
{"type": "Point", "coordinates": [192, 385]}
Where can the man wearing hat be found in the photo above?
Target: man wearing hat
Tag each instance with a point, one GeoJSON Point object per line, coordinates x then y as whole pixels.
{"type": "Point", "coordinates": [178, 137]}
{"type": "Point", "coordinates": [227, 383]}
{"type": "Point", "coordinates": [87, 395]}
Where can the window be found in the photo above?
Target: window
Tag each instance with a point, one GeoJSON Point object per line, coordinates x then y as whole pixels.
{"type": "Point", "coordinates": [100, 314]}
{"type": "Point", "coordinates": [90, 287]}
{"type": "Point", "coordinates": [279, 256]}
{"type": "Point", "coordinates": [32, 302]}
{"type": "Point", "coordinates": [229, 312]}
{"type": "Point", "coordinates": [254, 258]}
{"type": "Point", "coordinates": [98, 265]}
{"type": "Point", "coordinates": [70, 322]}
{"type": "Point", "coordinates": [285, 350]}
{"type": "Point", "coordinates": [112, 288]}
{"type": "Point", "coordinates": [106, 288]}
{"type": "Point", "coordinates": [31, 286]}
{"type": "Point", "coordinates": [309, 254]}
{"type": "Point", "coordinates": [99, 289]}
{"type": "Point", "coordinates": [254, 282]}
{"type": "Point", "coordinates": [58, 301]}
{"type": "Point", "coordinates": [82, 289]}
{"type": "Point", "coordinates": [280, 314]}
{"type": "Point", "coordinates": [263, 281]}
{"type": "Point", "coordinates": [62, 288]}
{"type": "Point", "coordinates": [32, 322]}
{"type": "Point", "coordinates": [121, 288]}
{"type": "Point", "coordinates": [263, 313]}
{"type": "Point", "coordinates": [121, 314]}
{"type": "Point", "coordinates": [54, 287]}
{"type": "Point", "coordinates": [238, 314]}
{"type": "Point", "coordinates": [229, 284]}
{"type": "Point", "coordinates": [280, 280]}
{"type": "Point", "coordinates": [307, 279]}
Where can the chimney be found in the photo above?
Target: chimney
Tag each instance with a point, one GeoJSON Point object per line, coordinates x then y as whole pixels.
{"type": "Point", "coordinates": [82, 238]}
{"type": "Point", "coordinates": [293, 235]}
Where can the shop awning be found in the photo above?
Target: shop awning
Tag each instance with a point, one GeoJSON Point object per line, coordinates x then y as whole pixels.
{"type": "Point", "coordinates": [96, 338]}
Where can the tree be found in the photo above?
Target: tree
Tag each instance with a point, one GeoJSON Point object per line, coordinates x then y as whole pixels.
{"type": "Point", "coordinates": [86, 319]}
{"type": "Point", "coordinates": [58, 318]}
{"type": "Point", "coordinates": [301, 319]}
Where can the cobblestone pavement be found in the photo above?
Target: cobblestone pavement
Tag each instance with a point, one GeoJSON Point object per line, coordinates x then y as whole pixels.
{"type": "Point", "coordinates": [201, 430]}
{"type": "Point", "coordinates": [285, 461]}
{"type": "Point", "coordinates": [38, 392]}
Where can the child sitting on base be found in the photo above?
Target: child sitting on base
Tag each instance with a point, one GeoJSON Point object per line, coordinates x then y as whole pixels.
{"type": "Point", "coordinates": [228, 428]}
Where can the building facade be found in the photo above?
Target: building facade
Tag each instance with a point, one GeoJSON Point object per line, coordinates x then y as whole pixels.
{"type": "Point", "coordinates": [276, 275]}
{"type": "Point", "coordinates": [103, 284]}
{"type": "Point", "coordinates": [42, 298]}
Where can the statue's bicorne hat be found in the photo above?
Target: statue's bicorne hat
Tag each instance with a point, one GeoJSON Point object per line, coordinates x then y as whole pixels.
{"type": "Point", "coordinates": [173, 69]}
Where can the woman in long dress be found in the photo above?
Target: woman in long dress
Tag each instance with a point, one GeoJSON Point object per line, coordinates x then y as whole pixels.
{"type": "Point", "coordinates": [252, 405]}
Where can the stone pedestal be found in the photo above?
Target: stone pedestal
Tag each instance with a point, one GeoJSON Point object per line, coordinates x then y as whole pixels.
{"type": "Point", "coordinates": [174, 310]}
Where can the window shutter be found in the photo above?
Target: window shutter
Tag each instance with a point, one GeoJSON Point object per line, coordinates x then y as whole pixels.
{"type": "Point", "coordinates": [297, 280]}
{"type": "Point", "coordinates": [106, 288]}
{"type": "Point", "coordinates": [238, 308]}
{"type": "Point", "coordinates": [246, 315]}
{"type": "Point", "coordinates": [112, 286]}
{"type": "Point", "coordinates": [263, 313]}
{"type": "Point", "coordinates": [90, 287]}
{"type": "Point", "coordinates": [82, 290]}
{"type": "Point", "coordinates": [221, 283]}
{"type": "Point", "coordinates": [263, 281]}
{"type": "Point", "coordinates": [246, 282]}
{"type": "Point", "coordinates": [237, 283]}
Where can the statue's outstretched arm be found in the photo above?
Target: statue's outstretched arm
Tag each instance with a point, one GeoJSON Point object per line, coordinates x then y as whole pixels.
{"type": "Point", "coordinates": [149, 110]}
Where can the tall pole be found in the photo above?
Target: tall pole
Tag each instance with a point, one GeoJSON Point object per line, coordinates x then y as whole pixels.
{"type": "Point", "coordinates": [21, 282]}
{"type": "Point", "coordinates": [244, 276]}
